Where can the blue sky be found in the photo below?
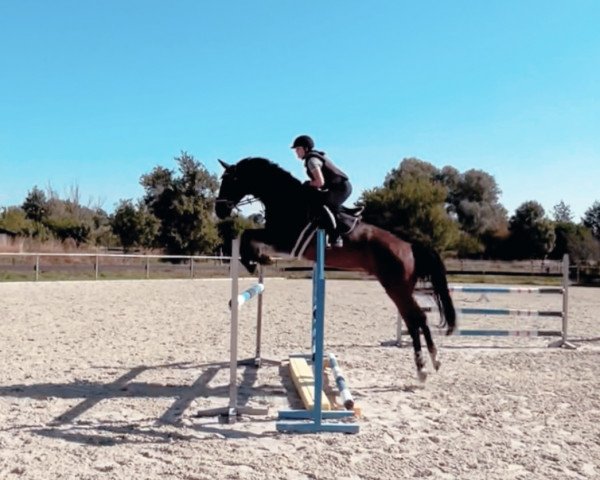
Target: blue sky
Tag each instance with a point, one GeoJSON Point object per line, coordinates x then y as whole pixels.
{"type": "Point", "coordinates": [94, 94]}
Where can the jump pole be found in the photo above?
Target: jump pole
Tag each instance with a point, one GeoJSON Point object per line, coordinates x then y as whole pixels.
{"type": "Point", "coordinates": [312, 421]}
{"type": "Point", "coordinates": [563, 313]}
{"type": "Point", "coordinates": [231, 412]}
{"type": "Point", "coordinates": [340, 381]}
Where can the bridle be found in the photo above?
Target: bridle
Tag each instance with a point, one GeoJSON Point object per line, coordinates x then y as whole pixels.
{"type": "Point", "coordinates": [232, 205]}
{"type": "Point", "coordinates": [229, 203]}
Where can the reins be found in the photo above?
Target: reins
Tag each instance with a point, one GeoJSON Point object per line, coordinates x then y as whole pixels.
{"type": "Point", "coordinates": [247, 201]}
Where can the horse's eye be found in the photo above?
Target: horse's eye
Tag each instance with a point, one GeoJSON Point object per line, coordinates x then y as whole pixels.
{"type": "Point", "coordinates": [229, 175]}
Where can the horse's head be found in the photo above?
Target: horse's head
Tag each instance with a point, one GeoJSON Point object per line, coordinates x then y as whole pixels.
{"type": "Point", "coordinates": [232, 190]}
{"type": "Point", "coordinates": [266, 181]}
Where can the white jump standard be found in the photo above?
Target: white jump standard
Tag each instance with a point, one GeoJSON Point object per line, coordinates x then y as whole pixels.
{"type": "Point", "coordinates": [563, 290]}
{"type": "Point", "coordinates": [233, 410]}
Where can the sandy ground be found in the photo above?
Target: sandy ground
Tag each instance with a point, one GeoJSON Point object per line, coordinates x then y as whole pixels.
{"type": "Point", "coordinates": [103, 380]}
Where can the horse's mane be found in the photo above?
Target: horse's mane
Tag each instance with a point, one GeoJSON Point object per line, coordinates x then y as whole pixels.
{"type": "Point", "coordinates": [262, 168]}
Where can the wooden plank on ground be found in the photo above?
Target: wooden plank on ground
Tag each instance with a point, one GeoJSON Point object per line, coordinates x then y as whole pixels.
{"type": "Point", "coordinates": [302, 375]}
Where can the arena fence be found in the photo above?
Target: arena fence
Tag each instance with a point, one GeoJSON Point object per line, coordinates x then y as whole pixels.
{"type": "Point", "coordinates": [94, 265]}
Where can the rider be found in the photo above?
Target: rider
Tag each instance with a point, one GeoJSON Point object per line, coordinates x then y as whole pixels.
{"type": "Point", "coordinates": [326, 178]}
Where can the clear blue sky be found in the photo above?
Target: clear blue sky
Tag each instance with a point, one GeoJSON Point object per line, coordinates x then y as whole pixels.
{"type": "Point", "coordinates": [94, 94]}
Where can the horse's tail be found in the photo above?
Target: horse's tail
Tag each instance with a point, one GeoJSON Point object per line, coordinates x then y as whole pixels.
{"type": "Point", "coordinates": [429, 265]}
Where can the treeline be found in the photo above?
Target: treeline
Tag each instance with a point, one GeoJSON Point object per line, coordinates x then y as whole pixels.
{"type": "Point", "coordinates": [174, 216]}
{"type": "Point", "coordinates": [458, 213]}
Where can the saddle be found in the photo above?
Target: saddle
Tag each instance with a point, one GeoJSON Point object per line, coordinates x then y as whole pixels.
{"type": "Point", "coordinates": [348, 218]}
{"type": "Point", "coordinates": [354, 211]}
{"type": "Point", "coordinates": [341, 223]}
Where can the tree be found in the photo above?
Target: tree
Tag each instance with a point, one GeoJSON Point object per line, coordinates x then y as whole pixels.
{"type": "Point", "coordinates": [531, 233]}
{"type": "Point", "coordinates": [584, 247]}
{"type": "Point", "coordinates": [14, 219]}
{"type": "Point", "coordinates": [471, 203]}
{"type": "Point", "coordinates": [69, 219]}
{"type": "Point", "coordinates": [183, 205]}
{"type": "Point", "coordinates": [591, 219]}
{"type": "Point", "coordinates": [562, 213]}
{"type": "Point", "coordinates": [102, 234]}
{"type": "Point", "coordinates": [566, 232]}
{"type": "Point", "coordinates": [35, 205]}
{"type": "Point", "coordinates": [410, 168]}
{"type": "Point", "coordinates": [412, 207]}
{"type": "Point", "coordinates": [65, 228]}
{"type": "Point", "coordinates": [135, 227]}
{"type": "Point", "coordinates": [469, 246]}
{"type": "Point", "coordinates": [576, 241]}
{"type": "Point", "coordinates": [473, 197]}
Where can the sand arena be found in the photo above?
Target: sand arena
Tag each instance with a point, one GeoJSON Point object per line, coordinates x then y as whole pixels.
{"type": "Point", "coordinates": [102, 380]}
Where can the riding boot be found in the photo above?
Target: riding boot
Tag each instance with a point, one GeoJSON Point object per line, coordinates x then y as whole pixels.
{"type": "Point", "coordinates": [335, 239]}
{"type": "Point", "coordinates": [329, 223]}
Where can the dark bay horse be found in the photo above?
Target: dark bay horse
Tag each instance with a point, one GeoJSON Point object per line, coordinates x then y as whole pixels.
{"type": "Point", "coordinates": [396, 263]}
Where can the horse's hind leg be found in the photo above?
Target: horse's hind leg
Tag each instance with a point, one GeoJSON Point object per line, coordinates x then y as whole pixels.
{"type": "Point", "coordinates": [430, 345]}
{"type": "Point", "coordinates": [419, 316]}
{"type": "Point", "coordinates": [414, 318]}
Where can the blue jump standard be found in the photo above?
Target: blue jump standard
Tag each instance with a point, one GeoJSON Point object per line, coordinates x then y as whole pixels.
{"type": "Point", "coordinates": [311, 421]}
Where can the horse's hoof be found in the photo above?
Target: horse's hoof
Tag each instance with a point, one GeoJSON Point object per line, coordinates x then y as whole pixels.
{"type": "Point", "coordinates": [250, 267]}
{"type": "Point", "coordinates": [265, 260]}
{"type": "Point", "coordinates": [421, 375]}
{"type": "Point", "coordinates": [437, 364]}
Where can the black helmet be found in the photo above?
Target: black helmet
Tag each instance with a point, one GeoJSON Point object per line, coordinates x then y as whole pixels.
{"type": "Point", "coordinates": [304, 141]}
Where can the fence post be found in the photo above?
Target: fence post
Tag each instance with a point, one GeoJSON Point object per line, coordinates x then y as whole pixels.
{"type": "Point", "coordinates": [191, 267]}
{"type": "Point", "coordinates": [96, 267]}
{"type": "Point", "coordinates": [147, 268]}
{"type": "Point", "coordinates": [37, 268]}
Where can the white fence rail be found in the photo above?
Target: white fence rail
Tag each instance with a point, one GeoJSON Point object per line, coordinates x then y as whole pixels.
{"type": "Point", "coordinates": [98, 262]}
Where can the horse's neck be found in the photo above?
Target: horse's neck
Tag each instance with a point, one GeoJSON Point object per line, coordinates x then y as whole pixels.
{"type": "Point", "coordinates": [285, 219]}
{"type": "Point", "coordinates": [283, 214]}
{"type": "Point", "coordinates": [286, 210]}
{"type": "Point", "coordinates": [280, 200]}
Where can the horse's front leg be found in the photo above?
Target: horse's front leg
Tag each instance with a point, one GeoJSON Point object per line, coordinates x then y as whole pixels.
{"type": "Point", "coordinates": [251, 249]}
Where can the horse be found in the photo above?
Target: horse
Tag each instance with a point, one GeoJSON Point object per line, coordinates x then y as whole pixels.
{"type": "Point", "coordinates": [396, 263]}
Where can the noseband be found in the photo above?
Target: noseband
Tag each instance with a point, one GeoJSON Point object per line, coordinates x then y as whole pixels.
{"type": "Point", "coordinates": [231, 204]}
{"type": "Point", "coordinates": [228, 203]}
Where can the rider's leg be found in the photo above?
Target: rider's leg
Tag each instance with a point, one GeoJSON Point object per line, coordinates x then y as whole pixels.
{"type": "Point", "coordinates": [334, 198]}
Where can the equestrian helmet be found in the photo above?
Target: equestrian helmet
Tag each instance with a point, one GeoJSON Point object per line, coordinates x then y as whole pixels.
{"type": "Point", "coordinates": [304, 141]}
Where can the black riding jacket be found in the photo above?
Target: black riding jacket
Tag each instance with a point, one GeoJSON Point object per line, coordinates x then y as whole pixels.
{"type": "Point", "coordinates": [331, 174]}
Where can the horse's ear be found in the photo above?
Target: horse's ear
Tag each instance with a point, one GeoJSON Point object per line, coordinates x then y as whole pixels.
{"type": "Point", "coordinates": [225, 165]}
